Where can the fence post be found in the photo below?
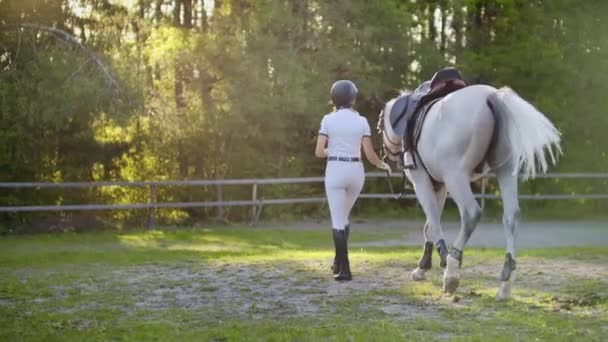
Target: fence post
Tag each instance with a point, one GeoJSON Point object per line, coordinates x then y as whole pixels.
{"type": "Point", "coordinates": [254, 198]}
{"type": "Point", "coordinates": [220, 198]}
{"type": "Point", "coordinates": [152, 210]}
{"type": "Point", "coordinates": [484, 180]}
{"type": "Point", "coordinates": [259, 211]}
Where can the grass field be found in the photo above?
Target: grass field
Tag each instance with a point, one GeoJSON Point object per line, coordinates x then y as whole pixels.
{"type": "Point", "coordinates": [247, 283]}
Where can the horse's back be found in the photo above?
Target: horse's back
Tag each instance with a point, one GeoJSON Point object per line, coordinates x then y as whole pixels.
{"type": "Point", "coordinates": [468, 98]}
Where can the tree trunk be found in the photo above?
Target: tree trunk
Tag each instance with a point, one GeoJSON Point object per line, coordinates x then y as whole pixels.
{"type": "Point", "coordinates": [177, 10]}
{"type": "Point", "coordinates": [458, 27]}
{"type": "Point", "coordinates": [187, 4]}
{"type": "Point", "coordinates": [444, 13]}
{"type": "Point", "coordinates": [158, 13]}
{"type": "Point", "coordinates": [204, 19]}
{"type": "Point", "coordinates": [431, 23]}
{"type": "Point", "coordinates": [180, 104]}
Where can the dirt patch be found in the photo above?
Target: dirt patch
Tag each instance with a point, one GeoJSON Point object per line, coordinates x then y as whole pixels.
{"type": "Point", "coordinates": [6, 302]}
{"type": "Point", "coordinates": [543, 274]}
{"type": "Point", "coordinates": [269, 290]}
{"type": "Point", "coordinates": [305, 289]}
{"type": "Point", "coordinates": [585, 300]}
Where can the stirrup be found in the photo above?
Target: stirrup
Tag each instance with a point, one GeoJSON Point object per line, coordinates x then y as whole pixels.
{"type": "Point", "coordinates": [409, 166]}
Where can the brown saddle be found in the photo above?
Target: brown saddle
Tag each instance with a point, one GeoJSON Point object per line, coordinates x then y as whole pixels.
{"type": "Point", "coordinates": [414, 124]}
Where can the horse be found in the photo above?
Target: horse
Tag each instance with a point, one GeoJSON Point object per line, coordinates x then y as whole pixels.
{"type": "Point", "coordinates": [465, 135]}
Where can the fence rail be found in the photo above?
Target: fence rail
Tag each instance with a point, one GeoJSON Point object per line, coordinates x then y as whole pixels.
{"type": "Point", "coordinates": [255, 203]}
{"type": "Point", "coordinates": [260, 181]}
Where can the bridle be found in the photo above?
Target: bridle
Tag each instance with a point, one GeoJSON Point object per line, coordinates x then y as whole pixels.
{"type": "Point", "coordinates": [400, 163]}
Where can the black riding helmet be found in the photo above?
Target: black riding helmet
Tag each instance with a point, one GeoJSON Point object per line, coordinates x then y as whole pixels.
{"type": "Point", "coordinates": [343, 94]}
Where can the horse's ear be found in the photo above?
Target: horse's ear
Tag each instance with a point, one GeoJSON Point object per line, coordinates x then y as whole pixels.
{"type": "Point", "coordinates": [377, 98]}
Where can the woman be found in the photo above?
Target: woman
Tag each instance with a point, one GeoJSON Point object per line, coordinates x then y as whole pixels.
{"type": "Point", "coordinates": [344, 132]}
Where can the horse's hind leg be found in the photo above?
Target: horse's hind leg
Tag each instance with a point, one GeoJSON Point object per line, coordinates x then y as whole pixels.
{"type": "Point", "coordinates": [508, 189]}
{"type": "Point", "coordinates": [459, 188]}
{"type": "Point", "coordinates": [432, 203]}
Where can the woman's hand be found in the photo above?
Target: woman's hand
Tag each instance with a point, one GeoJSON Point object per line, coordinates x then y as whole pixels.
{"type": "Point", "coordinates": [384, 166]}
{"type": "Point", "coordinates": [372, 156]}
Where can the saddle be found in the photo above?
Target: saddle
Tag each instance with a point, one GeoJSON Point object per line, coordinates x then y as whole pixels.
{"type": "Point", "coordinates": [409, 112]}
{"type": "Point", "coordinates": [405, 107]}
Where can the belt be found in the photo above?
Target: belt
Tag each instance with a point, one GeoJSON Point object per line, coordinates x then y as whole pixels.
{"type": "Point", "coordinates": [344, 159]}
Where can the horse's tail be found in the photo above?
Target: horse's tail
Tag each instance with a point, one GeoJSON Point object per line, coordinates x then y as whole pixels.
{"type": "Point", "coordinates": [527, 131]}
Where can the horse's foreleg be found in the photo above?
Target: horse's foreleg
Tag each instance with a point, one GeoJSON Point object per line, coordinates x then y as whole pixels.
{"type": "Point", "coordinates": [470, 214]}
{"type": "Point", "coordinates": [511, 214]}
{"type": "Point", "coordinates": [429, 200]}
{"type": "Point", "coordinates": [426, 260]}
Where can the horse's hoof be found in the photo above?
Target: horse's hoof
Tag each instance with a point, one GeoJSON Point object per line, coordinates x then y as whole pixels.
{"type": "Point", "coordinates": [504, 292]}
{"type": "Point", "coordinates": [343, 277]}
{"type": "Point", "coordinates": [334, 268]}
{"type": "Point", "coordinates": [443, 253]}
{"type": "Point", "coordinates": [418, 274]}
{"type": "Point", "coordinates": [443, 262]}
{"type": "Point", "coordinates": [450, 284]}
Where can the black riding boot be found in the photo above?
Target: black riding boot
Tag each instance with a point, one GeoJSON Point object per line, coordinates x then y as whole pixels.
{"type": "Point", "coordinates": [341, 255]}
{"type": "Point", "coordinates": [334, 266]}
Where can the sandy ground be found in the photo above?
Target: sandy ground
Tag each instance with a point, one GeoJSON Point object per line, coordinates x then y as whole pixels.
{"type": "Point", "coordinates": [279, 289]}
{"type": "Point", "coordinates": [220, 290]}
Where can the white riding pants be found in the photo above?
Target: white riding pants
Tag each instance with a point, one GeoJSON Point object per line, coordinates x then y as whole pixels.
{"type": "Point", "coordinates": [343, 184]}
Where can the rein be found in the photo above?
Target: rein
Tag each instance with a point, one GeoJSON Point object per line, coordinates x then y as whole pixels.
{"type": "Point", "coordinates": [400, 162]}
{"type": "Point", "coordinates": [405, 186]}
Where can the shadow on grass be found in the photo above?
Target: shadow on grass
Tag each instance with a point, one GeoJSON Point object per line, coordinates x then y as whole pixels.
{"type": "Point", "coordinates": [160, 246]}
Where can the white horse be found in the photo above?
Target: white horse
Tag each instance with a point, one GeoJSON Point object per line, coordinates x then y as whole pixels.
{"type": "Point", "coordinates": [475, 126]}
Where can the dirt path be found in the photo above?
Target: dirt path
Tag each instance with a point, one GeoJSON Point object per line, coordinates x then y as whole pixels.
{"type": "Point", "coordinates": [280, 289]}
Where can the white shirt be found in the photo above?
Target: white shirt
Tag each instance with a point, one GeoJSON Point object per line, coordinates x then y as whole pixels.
{"type": "Point", "coordinates": [344, 129]}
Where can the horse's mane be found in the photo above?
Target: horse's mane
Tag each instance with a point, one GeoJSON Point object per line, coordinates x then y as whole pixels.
{"type": "Point", "coordinates": [405, 91]}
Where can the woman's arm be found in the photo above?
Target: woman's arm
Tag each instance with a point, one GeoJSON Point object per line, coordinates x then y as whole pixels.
{"type": "Point", "coordinates": [320, 150]}
{"type": "Point", "coordinates": [371, 155]}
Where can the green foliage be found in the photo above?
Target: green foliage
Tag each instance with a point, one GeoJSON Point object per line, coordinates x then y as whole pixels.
{"type": "Point", "coordinates": [238, 90]}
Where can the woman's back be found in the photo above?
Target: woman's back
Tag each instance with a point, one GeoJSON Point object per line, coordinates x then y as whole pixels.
{"type": "Point", "coordinates": [345, 129]}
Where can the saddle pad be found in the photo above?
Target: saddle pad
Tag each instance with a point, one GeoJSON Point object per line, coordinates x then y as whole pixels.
{"type": "Point", "coordinates": [419, 121]}
{"type": "Point", "coordinates": [395, 122]}
{"type": "Point", "coordinates": [392, 141]}
{"type": "Point", "coordinates": [397, 118]}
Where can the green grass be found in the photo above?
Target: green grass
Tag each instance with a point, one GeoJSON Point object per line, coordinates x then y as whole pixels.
{"type": "Point", "coordinates": [232, 284]}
